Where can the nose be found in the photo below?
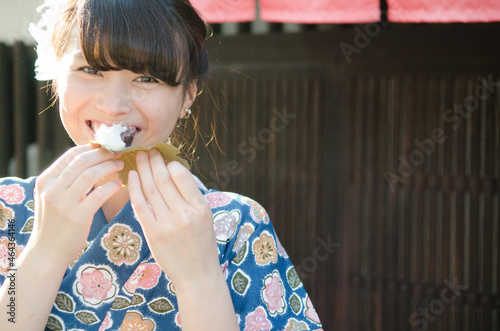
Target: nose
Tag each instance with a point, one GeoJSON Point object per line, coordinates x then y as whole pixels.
{"type": "Point", "coordinates": [115, 98]}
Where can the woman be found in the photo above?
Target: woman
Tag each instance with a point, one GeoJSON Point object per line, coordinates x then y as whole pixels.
{"type": "Point", "coordinates": [83, 251]}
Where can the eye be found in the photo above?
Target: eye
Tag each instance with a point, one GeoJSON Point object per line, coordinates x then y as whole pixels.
{"type": "Point", "coordinates": [89, 70]}
{"type": "Point", "coordinates": [147, 79]}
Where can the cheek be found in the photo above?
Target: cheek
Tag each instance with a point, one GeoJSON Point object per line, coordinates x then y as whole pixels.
{"type": "Point", "coordinates": [72, 96]}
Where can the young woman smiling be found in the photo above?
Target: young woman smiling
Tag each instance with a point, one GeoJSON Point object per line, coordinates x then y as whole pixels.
{"type": "Point", "coordinates": [162, 252]}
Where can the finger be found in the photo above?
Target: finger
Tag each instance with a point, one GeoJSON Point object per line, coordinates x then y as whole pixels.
{"type": "Point", "coordinates": [87, 179]}
{"type": "Point", "coordinates": [163, 180]}
{"type": "Point", "coordinates": [63, 161]}
{"type": "Point", "coordinates": [138, 201]}
{"type": "Point", "coordinates": [185, 183]}
{"type": "Point", "coordinates": [149, 187]}
{"type": "Point", "coordinates": [82, 162]}
{"type": "Point", "coordinates": [98, 196]}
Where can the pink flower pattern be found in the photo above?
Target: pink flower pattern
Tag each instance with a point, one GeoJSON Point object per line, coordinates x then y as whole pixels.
{"type": "Point", "coordinates": [273, 294]}
{"type": "Point", "coordinates": [8, 256]}
{"type": "Point", "coordinates": [95, 285]}
{"type": "Point", "coordinates": [257, 320]}
{"type": "Point", "coordinates": [311, 312]}
{"type": "Point", "coordinates": [145, 276]}
{"type": "Point", "coordinates": [107, 323]}
{"type": "Point", "coordinates": [217, 199]}
{"type": "Point", "coordinates": [12, 194]}
{"type": "Point", "coordinates": [252, 260]}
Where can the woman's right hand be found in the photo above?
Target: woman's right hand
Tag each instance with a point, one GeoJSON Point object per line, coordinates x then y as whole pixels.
{"type": "Point", "coordinates": [64, 208]}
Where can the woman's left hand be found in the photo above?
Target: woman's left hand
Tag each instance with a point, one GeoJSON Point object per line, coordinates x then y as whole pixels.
{"type": "Point", "coordinates": [177, 222]}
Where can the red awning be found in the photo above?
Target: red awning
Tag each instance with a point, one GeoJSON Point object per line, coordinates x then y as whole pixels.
{"type": "Point", "coordinates": [320, 11]}
{"type": "Point", "coordinates": [351, 11]}
{"type": "Point", "coordinates": [223, 11]}
{"type": "Point", "coordinates": [443, 11]}
{"type": "Point", "coordinates": [290, 11]}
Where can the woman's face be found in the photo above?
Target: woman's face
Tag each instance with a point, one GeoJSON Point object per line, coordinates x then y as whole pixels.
{"type": "Point", "coordinates": [88, 98]}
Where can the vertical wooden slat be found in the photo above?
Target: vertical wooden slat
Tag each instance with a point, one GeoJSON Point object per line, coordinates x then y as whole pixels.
{"type": "Point", "coordinates": [380, 193]}
{"type": "Point", "coordinates": [24, 107]}
{"type": "Point", "coordinates": [6, 132]}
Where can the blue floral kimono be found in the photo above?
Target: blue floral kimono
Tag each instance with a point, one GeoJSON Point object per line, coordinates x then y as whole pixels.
{"type": "Point", "coordinates": [115, 284]}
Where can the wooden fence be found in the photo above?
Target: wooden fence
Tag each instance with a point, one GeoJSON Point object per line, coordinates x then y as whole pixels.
{"type": "Point", "coordinates": [375, 149]}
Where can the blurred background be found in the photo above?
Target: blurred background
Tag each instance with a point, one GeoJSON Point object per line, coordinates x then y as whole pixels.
{"type": "Point", "coordinates": [368, 129]}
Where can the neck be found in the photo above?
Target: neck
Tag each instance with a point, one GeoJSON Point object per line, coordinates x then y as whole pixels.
{"type": "Point", "coordinates": [113, 205]}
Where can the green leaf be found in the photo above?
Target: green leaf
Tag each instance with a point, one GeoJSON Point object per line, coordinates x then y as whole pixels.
{"type": "Point", "coordinates": [295, 304]}
{"type": "Point", "coordinates": [28, 226]}
{"type": "Point", "coordinates": [54, 324]}
{"type": "Point", "coordinates": [167, 151]}
{"type": "Point", "coordinates": [137, 300]}
{"type": "Point", "coordinates": [64, 302]}
{"type": "Point", "coordinates": [293, 278]}
{"type": "Point", "coordinates": [240, 256]}
{"type": "Point", "coordinates": [161, 306]}
{"type": "Point", "coordinates": [87, 317]}
{"type": "Point", "coordinates": [120, 303]}
{"type": "Point", "coordinates": [240, 282]}
{"type": "Point", "coordinates": [30, 205]}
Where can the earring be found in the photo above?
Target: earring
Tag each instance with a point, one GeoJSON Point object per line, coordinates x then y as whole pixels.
{"type": "Point", "coordinates": [187, 114]}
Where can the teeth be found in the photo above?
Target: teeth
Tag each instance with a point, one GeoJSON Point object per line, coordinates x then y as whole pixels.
{"type": "Point", "coordinates": [132, 129]}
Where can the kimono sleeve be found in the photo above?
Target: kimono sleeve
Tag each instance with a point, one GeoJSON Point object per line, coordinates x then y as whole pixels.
{"type": "Point", "coordinates": [16, 221]}
{"type": "Point", "coordinates": [266, 290]}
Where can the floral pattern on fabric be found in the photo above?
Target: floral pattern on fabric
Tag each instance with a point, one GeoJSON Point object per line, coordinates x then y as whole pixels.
{"type": "Point", "coordinates": [9, 252]}
{"type": "Point", "coordinates": [225, 225]}
{"type": "Point", "coordinates": [310, 311]}
{"type": "Point", "coordinates": [273, 294]}
{"type": "Point", "coordinates": [134, 321]}
{"type": "Point", "coordinates": [217, 199]}
{"type": "Point", "coordinates": [264, 249]}
{"type": "Point", "coordinates": [12, 194]}
{"type": "Point", "coordinates": [257, 321]}
{"type": "Point", "coordinates": [84, 249]}
{"type": "Point", "coordinates": [293, 324]}
{"type": "Point", "coordinates": [95, 284]}
{"type": "Point", "coordinates": [257, 212]}
{"type": "Point", "coordinates": [146, 276]}
{"type": "Point", "coordinates": [6, 214]}
{"type": "Point", "coordinates": [122, 244]}
{"type": "Point", "coordinates": [107, 323]}
{"type": "Point", "coordinates": [243, 235]}
{"type": "Point", "coordinates": [115, 283]}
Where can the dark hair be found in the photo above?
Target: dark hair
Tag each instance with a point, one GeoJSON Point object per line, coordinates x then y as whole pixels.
{"type": "Point", "coordinates": [161, 38]}
{"type": "Point", "coordinates": [154, 37]}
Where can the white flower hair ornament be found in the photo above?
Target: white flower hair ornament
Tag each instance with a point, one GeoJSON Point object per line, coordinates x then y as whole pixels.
{"type": "Point", "coordinates": [51, 11]}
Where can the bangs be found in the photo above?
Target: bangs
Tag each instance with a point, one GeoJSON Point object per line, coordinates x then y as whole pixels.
{"type": "Point", "coordinates": [118, 34]}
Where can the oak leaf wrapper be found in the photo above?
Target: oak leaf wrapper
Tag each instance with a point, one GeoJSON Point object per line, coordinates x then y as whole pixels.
{"type": "Point", "coordinates": [167, 151]}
